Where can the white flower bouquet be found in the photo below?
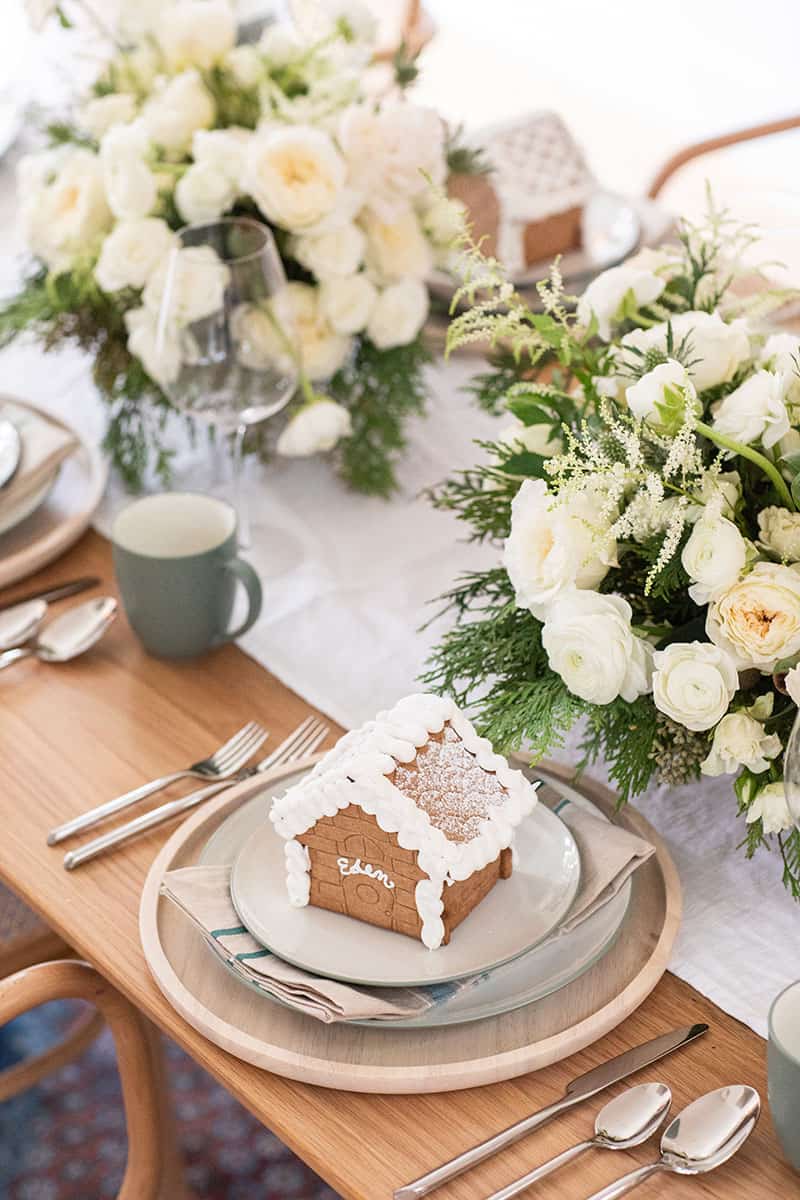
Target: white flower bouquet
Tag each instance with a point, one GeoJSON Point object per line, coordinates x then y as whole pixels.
{"type": "Point", "coordinates": [647, 502]}
{"type": "Point", "coordinates": [185, 125]}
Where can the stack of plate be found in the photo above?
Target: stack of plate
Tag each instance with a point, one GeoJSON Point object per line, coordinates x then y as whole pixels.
{"type": "Point", "coordinates": [492, 965]}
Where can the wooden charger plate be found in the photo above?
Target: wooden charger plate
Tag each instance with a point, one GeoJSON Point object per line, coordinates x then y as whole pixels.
{"type": "Point", "coordinates": [406, 1060]}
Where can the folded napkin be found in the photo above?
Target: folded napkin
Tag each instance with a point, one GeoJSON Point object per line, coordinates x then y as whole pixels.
{"type": "Point", "coordinates": [46, 443]}
{"type": "Point", "coordinates": [609, 856]}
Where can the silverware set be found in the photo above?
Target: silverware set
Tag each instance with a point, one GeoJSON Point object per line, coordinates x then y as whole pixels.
{"type": "Point", "coordinates": [222, 769]}
{"type": "Point", "coordinates": [702, 1137]}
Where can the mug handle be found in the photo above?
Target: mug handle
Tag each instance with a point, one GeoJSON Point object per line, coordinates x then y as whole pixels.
{"type": "Point", "coordinates": [252, 585]}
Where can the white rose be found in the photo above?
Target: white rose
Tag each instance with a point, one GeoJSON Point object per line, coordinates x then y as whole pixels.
{"type": "Point", "coordinates": [295, 175]}
{"type": "Point", "coordinates": [589, 643]}
{"type": "Point", "coordinates": [173, 114]}
{"type": "Point", "coordinates": [258, 331]}
{"type": "Point", "coordinates": [398, 315]}
{"type": "Point", "coordinates": [159, 350]}
{"type": "Point", "coordinates": [245, 65]}
{"type": "Point", "coordinates": [393, 153]}
{"type": "Point", "coordinates": [653, 397]}
{"type": "Point", "coordinates": [554, 546]}
{"type": "Point", "coordinates": [604, 296]}
{"type": "Point", "coordinates": [223, 149]}
{"type": "Point", "coordinates": [781, 353]}
{"type": "Point", "coordinates": [757, 620]}
{"type": "Point", "coordinates": [792, 684]}
{"type": "Point", "coordinates": [693, 683]}
{"type": "Point", "coordinates": [192, 282]}
{"type": "Point", "coordinates": [323, 351]}
{"type": "Point", "coordinates": [315, 429]}
{"type": "Point", "coordinates": [715, 349]}
{"type": "Point", "coordinates": [539, 439]}
{"type": "Point", "coordinates": [771, 808]}
{"type": "Point", "coordinates": [779, 531]}
{"type": "Point", "coordinates": [445, 221]}
{"type": "Point", "coordinates": [755, 410]}
{"type": "Point", "coordinates": [196, 33]}
{"type": "Point", "coordinates": [348, 304]}
{"type": "Point", "coordinates": [131, 186]}
{"type": "Point", "coordinates": [203, 193]}
{"type": "Point", "coordinates": [723, 489]}
{"type": "Point", "coordinates": [713, 557]}
{"type": "Point", "coordinates": [336, 253]}
{"type": "Point", "coordinates": [398, 249]}
{"type": "Point", "coordinates": [63, 205]}
{"type": "Point", "coordinates": [740, 741]}
{"type": "Point", "coordinates": [98, 115]}
{"type": "Point", "coordinates": [131, 253]}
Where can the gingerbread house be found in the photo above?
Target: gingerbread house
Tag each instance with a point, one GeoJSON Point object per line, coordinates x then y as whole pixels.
{"type": "Point", "coordinates": [406, 823]}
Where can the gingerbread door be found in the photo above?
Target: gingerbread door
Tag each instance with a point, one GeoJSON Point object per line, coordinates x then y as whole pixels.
{"type": "Point", "coordinates": [366, 898]}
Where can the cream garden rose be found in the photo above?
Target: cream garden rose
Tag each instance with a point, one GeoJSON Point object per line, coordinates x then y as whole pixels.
{"type": "Point", "coordinates": [132, 252]}
{"type": "Point", "coordinates": [590, 644]}
{"type": "Point", "coordinates": [740, 740]}
{"type": "Point", "coordinates": [158, 349]}
{"type": "Point", "coordinates": [693, 683]}
{"type": "Point", "coordinates": [196, 278]}
{"type": "Point", "coordinates": [605, 295]}
{"type": "Point", "coordinates": [334, 254]}
{"type": "Point", "coordinates": [131, 186]}
{"type": "Point", "coordinates": [64, 208]}
{"type": "Point", "coordinates": [713, 557]}
{"type": "Point", "coordinates": [779, 532]}
{"type": "Point", "coordinates": [757, 620]}
{"type": "Point", "coordinates": [348, 304]}
{"type": "Point", "coordinates": [323, 350]}
{"type": "Point", "coordinates": [315, 429]}
{"type": "Point", "coordinates": [755, 411]}
{"type": "Point", "coordinates": [554, 546]}
{"type": "Point", "coordinates": [398, 249]}
{"type": "Point", "coordinates": [295, 174]}
{"type": "Point", "coordinates": [203, 193]}
{"type": "Point", "coordinates": [398, 314]}
{"type": "Point", "coordinates": [195, 33]}
{"type": "Point", "coordinates": [177, 110]}
{"type": "Point", "coordinates": [393, 153]}
{"type": "Point", "coordinates": [770, 807]}
{"type": "Point", "coordinates": [653, 397]}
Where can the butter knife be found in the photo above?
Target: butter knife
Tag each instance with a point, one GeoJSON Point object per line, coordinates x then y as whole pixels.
{"type": "Point", "coordinates": [58, 591]}
{"type": "Point", "coordinates": [579, 1089]}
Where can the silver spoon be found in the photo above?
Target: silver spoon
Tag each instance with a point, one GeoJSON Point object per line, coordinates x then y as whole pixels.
{"type": "Point", "coordinates": [68, 635]}
{"type": "Point", "coordinates": [627, 1120]}
{"type": "Point", "coordinates": [10, 451]}
{"type": "Point", "coordinates": [702, 1137]}
{"type": "Point", "coordinates": [20, 623]}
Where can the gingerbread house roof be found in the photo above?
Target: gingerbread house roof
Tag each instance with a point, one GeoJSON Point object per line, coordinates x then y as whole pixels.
{"type": "Point", "coordinates": [425, 775]}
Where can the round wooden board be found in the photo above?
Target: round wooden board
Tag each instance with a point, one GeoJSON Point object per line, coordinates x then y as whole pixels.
{"type": "Point", "coordinates": [440, 1059]}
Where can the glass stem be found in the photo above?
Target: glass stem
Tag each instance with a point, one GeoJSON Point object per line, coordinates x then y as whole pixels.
{"type": "Point", "coordinates": [240, 499]}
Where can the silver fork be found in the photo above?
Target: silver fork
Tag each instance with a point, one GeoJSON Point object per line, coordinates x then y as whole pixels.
{"type": "Point", "coordinates": [303, 741]}
{"type": "Point", "coordinates": [222, 764]}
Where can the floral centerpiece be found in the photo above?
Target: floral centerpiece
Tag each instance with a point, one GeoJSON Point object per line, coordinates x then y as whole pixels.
{"type": "Point", "coordinates": [646, 502]}
{"type": "Point", "coordinates": [184, 125]}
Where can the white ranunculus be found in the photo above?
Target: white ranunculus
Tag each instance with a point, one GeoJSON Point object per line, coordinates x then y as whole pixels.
{"type": "Point", "coordinates": [399, 314]}
{"type": "Point", "coordinates": [757, 620]}
{"type": "Point", "coordinates": [445, 220]}
{"type": "Point", "coordinates": [771, 808]}
{"type": "Point", "coordinates": [604, 296]}
{"type": "Point", "coordinates": [175, 112]}
{"type": "Point", "coordinates": [590, 644]}
{"type": "Point", "coordinates": [393, 153]}
{"type": "Point", "coordinates": [316, 428]}
{"type": "Point", "coordinates": [63, 205]}
{"type": "Point", "coordinates": [740, 741]}
{"type": "Point", "coordinates": [203, 193]}
{"type": "Point", "coordinates": [131, 186]}
{"type": "Point", "coordinates": [713, 557]}
{"type": "Point", "coordinates": [223, 149]}
{"type": "Point", "coordinates": [347, 304]}
{"type": "Point", "coordinates": [334, 254]}
{"type": "Point", "coordinates": [102, 112]}
{"type": "Point", "coordinates": [653, 397]}
{"type": "Point", "coordinates": [539, 439]}
{"type": "Point", "coordinates": [398, 249]}
{"type": "Point", "coordinates": [755, 411]}
{"type": "Point", "coordinates": [323, 351]}
{"type": "Point", "coordinates": [131, 253]}
{"type": "Point", "coordinates": [693, 683]}
{"type": "Point", "coordinates": [191, 282]}
{"type": "Point", "coordinates": [196, 33]}
{"type": "Point", "coordinates": [295, 175]}
{"type": "Point", "coordinates": [554, 546]}
{"type": "Point", "coordinates": [792, 684]}
{"type": "Point", "coordinates": [245, 64]}
{"type": "Point", "coordinates": [159, 350]}
{"type": "Point", "coordinates": [779, 531]}
{"type": "Point", "coordinates": [723, 489]}
{"type": "Point", "coordinates": [715, 348]}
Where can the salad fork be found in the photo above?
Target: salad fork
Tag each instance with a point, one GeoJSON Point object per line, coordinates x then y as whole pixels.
{"type": "Point", "coordinates": [222, 764]}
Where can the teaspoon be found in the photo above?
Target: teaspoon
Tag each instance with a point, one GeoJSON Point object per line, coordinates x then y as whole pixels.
{"type": "Point", "coordinates": [20, 623]}
{"type": "Point", "coordinates": [68, 635]}
{"type": "Point", "coordinates": [702, 1137]}
{"type": "Point", "coordinates": [626, 1121]}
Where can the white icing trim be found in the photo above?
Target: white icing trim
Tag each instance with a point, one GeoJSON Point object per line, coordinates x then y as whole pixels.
{"type": "Point", "coordinates": [298, 873]}
{"type": "Point", "coordinates": [355, 772]}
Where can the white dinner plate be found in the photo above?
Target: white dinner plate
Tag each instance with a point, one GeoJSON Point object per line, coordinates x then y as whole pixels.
{"type": "Point", "coordinates": [517, 914]}
{"type": "Point", "coordinates": [17, 513]}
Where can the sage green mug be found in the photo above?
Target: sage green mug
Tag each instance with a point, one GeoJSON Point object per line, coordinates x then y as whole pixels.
{"type": "Point", "coordinates": [783, 1070]}
{"type": "Point", "coordinates": [175, 557]}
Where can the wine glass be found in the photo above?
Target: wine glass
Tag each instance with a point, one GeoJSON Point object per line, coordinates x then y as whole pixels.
{"type": "Point", "coordinates": [225, 339]}
{"type": "Point", "coordinates": [791, 772]}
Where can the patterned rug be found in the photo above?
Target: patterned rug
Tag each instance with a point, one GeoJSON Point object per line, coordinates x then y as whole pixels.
{"type": "Point", "coordinates": [65, 1139]}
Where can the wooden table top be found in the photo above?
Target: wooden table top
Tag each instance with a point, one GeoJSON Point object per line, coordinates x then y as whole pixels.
{"type": "Point", "coordinates": [73, 735]}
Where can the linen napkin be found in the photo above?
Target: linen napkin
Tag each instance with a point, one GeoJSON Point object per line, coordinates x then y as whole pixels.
{"type": "Point", "coordinates": [46, 443]}
{"type": "Point", "coordinates": [609, 856]}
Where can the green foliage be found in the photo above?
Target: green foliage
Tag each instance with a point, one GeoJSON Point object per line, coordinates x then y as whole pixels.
{"type": "Point", "coordinates": [623, 735]}
{"type": "Point", "coordinates": [381, 389]}
{"type": "Point", "coordinates": [235, 104]}
{"type": "Point", "coordinates": [463, 158]}
{"type": "Point", "coordinates": [406, 69]}
{"type": "Point", "coordinates": [64, 133]}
